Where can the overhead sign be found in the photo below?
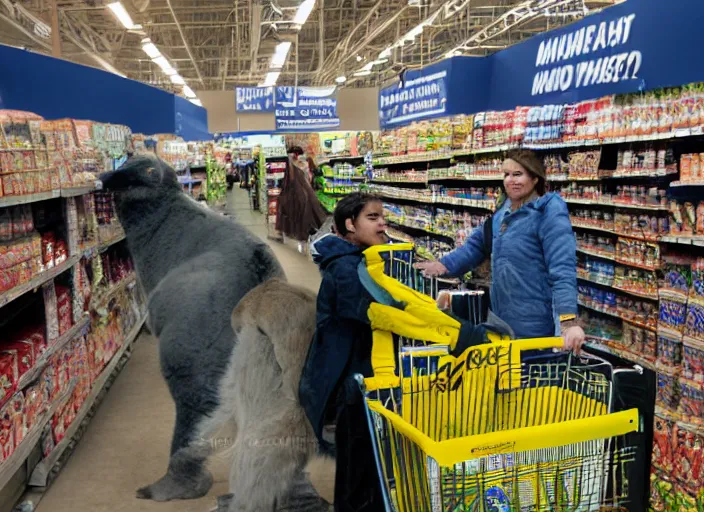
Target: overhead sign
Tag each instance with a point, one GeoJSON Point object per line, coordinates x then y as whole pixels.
{"type": "Point", "coordinates": [593, 54]}
{"type": "Point", "coordinates": [419, 97]}
{"type": "Point", "coordinates": [254, 99]}
{"type": "Point", "coordinates": [306, 108]}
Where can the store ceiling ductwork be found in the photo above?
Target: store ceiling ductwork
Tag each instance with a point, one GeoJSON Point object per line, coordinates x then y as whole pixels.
{"type": "Point", "coordinates": [218, 44]}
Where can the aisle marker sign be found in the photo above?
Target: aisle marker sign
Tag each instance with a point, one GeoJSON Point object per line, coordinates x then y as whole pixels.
{"type": "Point", "coordinates": [254, 99]}
{"type": "Point", "coordinates": [306, 108]}
{"type": "Point", "coordinates": [604, 59]}
{"type": "Point", "coordinates": [418, 98]}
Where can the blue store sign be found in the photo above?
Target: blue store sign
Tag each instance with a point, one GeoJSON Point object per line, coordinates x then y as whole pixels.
{"type": "Point", "coordinates": [254, 99]}
{"type": "Point", "coordinates": [306, 108]}
{"type": "Point", "coordinates": [419, 96]}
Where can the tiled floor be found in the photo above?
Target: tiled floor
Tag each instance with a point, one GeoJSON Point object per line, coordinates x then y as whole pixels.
{"type": "Point", "coordinates": [126, 444]}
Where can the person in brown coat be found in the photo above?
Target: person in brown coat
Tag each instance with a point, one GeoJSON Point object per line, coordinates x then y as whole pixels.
{"type": "Point", "coordinates": [300, 213]}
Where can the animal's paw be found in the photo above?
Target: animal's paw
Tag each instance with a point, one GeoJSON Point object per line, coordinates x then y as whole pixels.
{"type": "Point", "coordinates": [171, 488]}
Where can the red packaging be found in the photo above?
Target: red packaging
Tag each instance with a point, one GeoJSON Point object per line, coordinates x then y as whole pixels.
{"type": "Point", "coordinates": [15, 414]}
{"type": "Point", "coordinates": [64, 308]}
{"type": "Point", "coordinates": [7, 434]}
{"type": "Point", "coordinates": [663, 444]}
{"type": "Point", "coordinates": [35, 404]}
{"type": "Point", "coordinates": [25, 355]}
{"type": "Point", "coordinates": [688, 455]}
{"type": "Point", "coordinates": [8, 374]}
{"type": "Point", "coordinates": [48, 241]}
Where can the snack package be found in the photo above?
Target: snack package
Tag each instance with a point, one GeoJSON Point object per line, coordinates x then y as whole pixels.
{"type": "Point", "coordinates": [668, 392]}
{"type": "Point", "coordinates": [15, 414]}
{"type": "Point", "coordinates": [7, 433]}
{"type": "Point", "coordinates": [47, 442]}
{"type": "Point", "coordinates": [9, 374]}
{"type": "Point", "coordinates": [663, 444]}
{"type": "Point", "coordinates": [693, 359]}
{"type": "Point", "coordinates": [50, 312]}
{"type": "Point", "coordinates": [691, 401]}
{"type": "Point", "coordinates": [35, 404]}
{"type": "Point", "coordinates": [25, 355]}
{"type": "Point", "coordinates": [688, 455]}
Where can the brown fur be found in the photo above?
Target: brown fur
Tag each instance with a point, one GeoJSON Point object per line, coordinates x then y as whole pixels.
{"type": "Point", "coordinates": [274, 442]}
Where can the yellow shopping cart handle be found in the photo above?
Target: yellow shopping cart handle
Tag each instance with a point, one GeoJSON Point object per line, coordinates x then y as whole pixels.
{"type": "Point", "coordinates": [538, 343]}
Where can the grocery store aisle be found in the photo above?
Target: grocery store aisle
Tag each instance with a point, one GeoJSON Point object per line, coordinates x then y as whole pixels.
{"type": "Point", "coordinates": [126, 444]}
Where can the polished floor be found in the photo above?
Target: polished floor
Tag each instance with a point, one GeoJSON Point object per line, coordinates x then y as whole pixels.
{"type": "Point", "coordinates": [126, 444]}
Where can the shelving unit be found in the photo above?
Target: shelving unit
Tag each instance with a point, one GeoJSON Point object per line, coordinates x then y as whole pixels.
{"type": "Point", "coordinates": [59, 323]}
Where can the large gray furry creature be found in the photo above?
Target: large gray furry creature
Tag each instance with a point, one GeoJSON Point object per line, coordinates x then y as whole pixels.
{"type": "Point", "coordinates": [195, 267]}
{"type": "Point", "coordinates": [275, 463]}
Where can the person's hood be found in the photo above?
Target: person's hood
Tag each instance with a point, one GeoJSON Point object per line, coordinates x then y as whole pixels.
{"type": "Point", "coordinates": [330, 247]}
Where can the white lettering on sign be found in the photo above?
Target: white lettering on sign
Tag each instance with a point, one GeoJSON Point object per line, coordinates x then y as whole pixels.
{"type": "Point", "coordinates": [588, 40]}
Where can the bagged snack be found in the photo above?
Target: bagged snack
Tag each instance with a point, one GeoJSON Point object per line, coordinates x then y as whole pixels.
{"type": "Point", "coordinates": [663, 444]}
{"type": "Point", "coordinates": [25, 355]}
{"type": "Point", "coordinates": [35, 404]}
{"type": "Point", "coordinates": [7, 433]}
{"type": "Point", "coordinates": [693, 359]}
{"type": "Point", "coordinates": [9, 374]}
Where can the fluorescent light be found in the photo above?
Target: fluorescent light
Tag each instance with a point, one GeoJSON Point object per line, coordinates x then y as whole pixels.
{"type": "Point", "coordinates": [188, 92]}
{"type": "Point", "coordinates": [164, 65]}
{"type": "Point", "coordinates": [177, 79]}
{"type": "Point", "coordinates": [304, 10]}
{"type": "Point", "coordinates": [271, 78]}
{"type": "Point", "coordinates": [363, 72]}
{"type": "Point", "coordinates": [197, 102]}
{"type": "Point", "coordinates": [341, 79]}
{"type": "Point", "coordinates": [386, 53]}
{"type": "Point", "coordinates": [379, 61]}
{"type": "Point", "coordinates": [151, 50]}
{"type": "Point", "coordinates": [279, 57]}
{"type": "Point", "coordinates": [122, 15]}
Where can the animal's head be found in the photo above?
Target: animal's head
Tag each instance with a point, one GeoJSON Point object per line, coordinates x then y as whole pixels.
{"type": "Point", "coordinates": [143, 176]}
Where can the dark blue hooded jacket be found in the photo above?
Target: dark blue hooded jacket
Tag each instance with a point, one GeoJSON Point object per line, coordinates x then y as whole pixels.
{"type": "Point", "coordinates": [533, 265]}
{"type": "Point", "coordinates": [342, 343]}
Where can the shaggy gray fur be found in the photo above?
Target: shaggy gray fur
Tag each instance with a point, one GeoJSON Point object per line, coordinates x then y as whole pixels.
{"type": "Point", "coordinates": [274, 440]}
{"type": "Point", "coordinates": [195, 266]}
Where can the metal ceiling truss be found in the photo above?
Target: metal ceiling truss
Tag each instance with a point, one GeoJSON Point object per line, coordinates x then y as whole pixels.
{"type": "Point", "coordinates": [217, 44]}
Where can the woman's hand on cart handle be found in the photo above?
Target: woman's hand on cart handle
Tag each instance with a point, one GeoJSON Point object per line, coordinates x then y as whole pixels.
{"type": "Point", "coordinates": [574, 338]}
{"type": "Point", "coordinates": [432, 268]}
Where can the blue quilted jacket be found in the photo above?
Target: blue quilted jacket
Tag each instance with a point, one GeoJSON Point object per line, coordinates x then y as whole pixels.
{"type": "Point", "coordinates": [533, 265]}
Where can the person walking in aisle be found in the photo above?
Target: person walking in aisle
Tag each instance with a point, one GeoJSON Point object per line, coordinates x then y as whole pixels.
{"type": "Point", "coordinates": [299, 212]}
{"type": "Point", "coordinates": [532, 250]}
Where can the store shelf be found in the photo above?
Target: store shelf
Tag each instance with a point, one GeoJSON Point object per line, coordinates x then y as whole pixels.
{"type": "Point", "coordinates": [78, 191]}
{"type": "Point", "coordinates": [597, 254]}
{"type": "Point", "coordinates": [37, 281]}
{"type": "Point", "coordinates": [611, 203]}
{"type": "Point", "coordinates": [54, 348]}
{"type": "Point", "coordinates": [101, 299]}
{"type": "Point", "coordinates": [41, 472]}
{"type": "Point", "coordinates": [616, 315]}
{"type": "Point", "coordinates": [468, 203]}
{"type": "Point", "coordinates": [9, 467]}
{"type": "Point", "coordinates": [469, 178]}
{"type": "Point", "coordinates": [29, 198]}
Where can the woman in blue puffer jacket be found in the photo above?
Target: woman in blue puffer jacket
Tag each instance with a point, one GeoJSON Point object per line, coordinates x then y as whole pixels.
{"type": "Point", "coordinates": [533, 256]}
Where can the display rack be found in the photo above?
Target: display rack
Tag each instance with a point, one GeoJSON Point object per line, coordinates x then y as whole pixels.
{"type": "Point", "coordinates": [631, 171]}
{"type": "Point", "coordinates": [69, 303]}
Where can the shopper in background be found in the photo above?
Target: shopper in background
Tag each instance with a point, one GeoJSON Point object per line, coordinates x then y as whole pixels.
{"type": "Point", "coordinates": [533, 256]}
{"type": "Point", "coordinates": [299, 212]}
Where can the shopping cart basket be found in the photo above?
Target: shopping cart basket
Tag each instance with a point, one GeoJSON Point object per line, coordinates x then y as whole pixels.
{"type": "Point", "coordinates": [487, 432]}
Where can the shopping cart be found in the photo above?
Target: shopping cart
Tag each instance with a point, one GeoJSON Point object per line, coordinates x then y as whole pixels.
{"type": "Point", "coordinates": [487, 431]}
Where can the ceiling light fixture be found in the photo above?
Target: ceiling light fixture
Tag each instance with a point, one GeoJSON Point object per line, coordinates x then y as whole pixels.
{"type": "Point", "coordinates": [188, 92]}
{"type": "Point", "coordinates": [122, 15]}
{"type": "Point", "coordinates": [341, 79]}
{"type": "Point", "coordinates": [151, 50]}
{"type": "Point", "coordinates": [271, 78]}
{"type": "Point", "coordinates": [177, 80]}
{"type": "Point", "coordinates": [363, 72]}
{"type": "Point", "coordinates": [164, 65]}
{"type": "Point", "coordinates": [279, 57]}
{"type": "Point", "coordinates": [304, 10]}
{"type": "Point", "coordinates": [197, 102]}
